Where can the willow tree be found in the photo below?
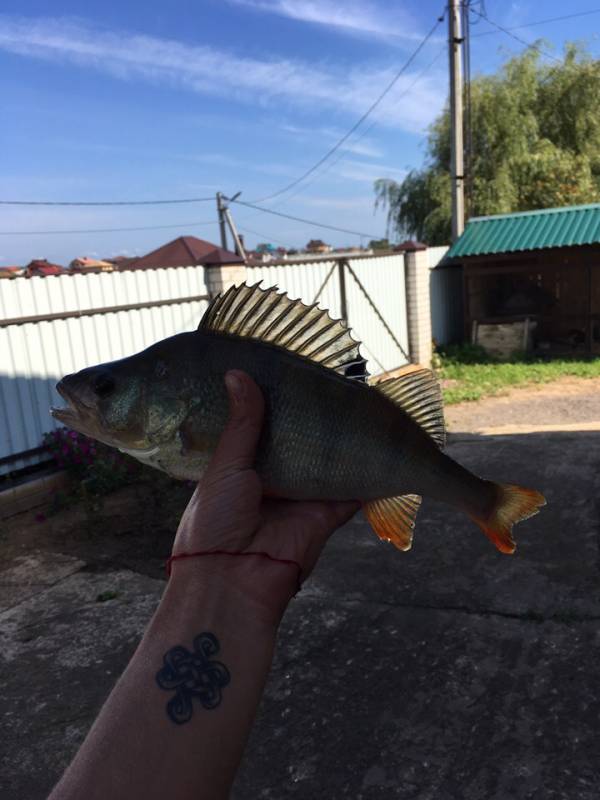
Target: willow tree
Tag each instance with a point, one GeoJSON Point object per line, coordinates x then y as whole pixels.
{"type": "Point", "coordinates": [535, 144]}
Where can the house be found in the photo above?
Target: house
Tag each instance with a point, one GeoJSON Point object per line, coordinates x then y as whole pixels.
{"type": "Point", "coordinates": [11, 272]}
{"type": "Point", "coordinates": [40, 267]}
{"type": "Point", "coordinates": [531, 280]}
{"type": "Point", "coordinates": [186, 251]}
{"type": "Point", "coordinates": [318, 246]}
{"type": "Point", "coordinates": [85, 264]}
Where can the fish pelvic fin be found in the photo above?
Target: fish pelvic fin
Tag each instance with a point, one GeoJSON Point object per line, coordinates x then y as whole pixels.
{"type": "Point", "coordinates": [393, 518]}
{"type": "Point", "coordinates": [268, 315]}
{"type": "Point", "coordinates": [513, 504]}
{"type": "Point", "coordinates": [417, 392]}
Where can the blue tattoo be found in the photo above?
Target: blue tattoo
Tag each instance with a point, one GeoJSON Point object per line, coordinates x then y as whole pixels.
{"type": "Point", "coordinates": [193, 674]}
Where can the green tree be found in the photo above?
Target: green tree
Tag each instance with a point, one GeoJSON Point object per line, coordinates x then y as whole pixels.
{"type": "Point", "coordinates": [379, 244]}
{"type": "Point", "coordinates": [535, 144]}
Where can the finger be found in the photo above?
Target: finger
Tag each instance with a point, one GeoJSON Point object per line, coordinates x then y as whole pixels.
{"type": "Point", "coordinates": [236, 449]}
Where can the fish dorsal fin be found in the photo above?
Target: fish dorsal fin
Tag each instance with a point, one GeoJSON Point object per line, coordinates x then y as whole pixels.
{"type": "Point", "coordinates": [269, 316]}
{"type": "Point", "coordinates": [393, 518]}
{"type": "Point", "coordinates": [418, 393]}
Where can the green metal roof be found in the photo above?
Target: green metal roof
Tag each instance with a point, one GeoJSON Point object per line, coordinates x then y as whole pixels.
{"type": "Point", "coordinates": [529, 230]}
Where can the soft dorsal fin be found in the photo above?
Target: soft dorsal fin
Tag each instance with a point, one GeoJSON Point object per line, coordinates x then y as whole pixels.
{"type": "Point", "coordinates": [269, 316]}
{"type": "Point", "coordinates": [418, 393]}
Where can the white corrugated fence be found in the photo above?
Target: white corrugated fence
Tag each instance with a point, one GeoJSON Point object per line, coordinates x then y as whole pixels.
{"type": "Point", "coordinates": [375, 299]}
{"type": "Point", "coordinates": [36, 352]}
{"type": "Point", "coordinates": [56, 325]}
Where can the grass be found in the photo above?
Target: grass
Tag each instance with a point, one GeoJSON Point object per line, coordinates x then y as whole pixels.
{"type": "Point", "coordinates": [472, 374]}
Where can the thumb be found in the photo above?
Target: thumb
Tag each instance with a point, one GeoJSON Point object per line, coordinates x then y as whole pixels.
{"type": "Point", "coordinates": [237, 446]}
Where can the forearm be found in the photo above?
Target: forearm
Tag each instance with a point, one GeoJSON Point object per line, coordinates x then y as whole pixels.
{"type": "Point", "coordinates": [154, 738]}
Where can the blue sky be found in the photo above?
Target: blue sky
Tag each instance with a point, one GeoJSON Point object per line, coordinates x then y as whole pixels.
{"type": "Point", "coordinates": [112, 101]}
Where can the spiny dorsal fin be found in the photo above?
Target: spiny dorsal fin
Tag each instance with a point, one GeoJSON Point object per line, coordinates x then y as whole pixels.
{"type": "Point", "coordinates": [393, 518]}
{"type": "Point", "coordinates": [418, 393]}
{"type": "Point", "coordinates": [267, 315]}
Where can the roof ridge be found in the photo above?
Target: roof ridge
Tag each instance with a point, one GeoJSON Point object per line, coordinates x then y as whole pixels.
{"type": "Point", "coordinates": [539, 211]}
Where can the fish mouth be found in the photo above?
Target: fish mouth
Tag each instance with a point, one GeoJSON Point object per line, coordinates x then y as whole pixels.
{"type": "Point", "coordinates": [76, 414]}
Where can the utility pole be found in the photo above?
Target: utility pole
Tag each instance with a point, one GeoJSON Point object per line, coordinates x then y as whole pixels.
{"type": "Point", "coordinates": [455, 45]}
{"type": "Point", "coordinates": [239, 247]}
{"type": "Point", "coordinates": [221, 208]}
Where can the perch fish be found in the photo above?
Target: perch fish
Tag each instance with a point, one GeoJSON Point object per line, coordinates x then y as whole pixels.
{"type": "Point", "coordinates": [326, 435]}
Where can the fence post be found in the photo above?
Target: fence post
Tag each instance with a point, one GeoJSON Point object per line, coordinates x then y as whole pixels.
{"type": "Point", "coordinates": [220, 277]}
{"type": "Point", "coordinates": [342, 284]}
{"type": "Point", "coordinates": [418, 303]}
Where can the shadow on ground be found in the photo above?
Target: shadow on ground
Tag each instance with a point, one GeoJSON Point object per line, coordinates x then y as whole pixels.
{"type": "Point", "coordinates": [448, 672]}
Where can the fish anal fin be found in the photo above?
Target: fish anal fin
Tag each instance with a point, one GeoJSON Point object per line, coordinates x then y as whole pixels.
{"type": "Point", "coordinates": [267, 315]}
{"type": "Point", "coordinates": [417, 392]}
{"type": "Point", "coordinates": [393, 518]}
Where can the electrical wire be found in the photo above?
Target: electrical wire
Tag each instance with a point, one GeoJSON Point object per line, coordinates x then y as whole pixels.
{"type": "Point", "coordinates": [304, 221]}
{"type": "Point", "coordinates": [365, 131]}
{"type": "Point", "coordinates": [263, 236]}
{"type": "Point", "coordinates": [104, 202]}
{"type": "Point", "coordinates": [107, 230]}
{"type": "Point", "coordinates": [360, 121]}
{"type": "Point", "coordinates": [532, 24]}
{"type": "Point", "coordinates": [508, 31]}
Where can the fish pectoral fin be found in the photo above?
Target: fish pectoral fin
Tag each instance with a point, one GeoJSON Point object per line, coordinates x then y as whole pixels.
{"type": "Point", "coordinates": [417, 392]}
{"type": "Point", "coordinates": [192, 438]}
{"type": "Point", "coordinates": [393, 518]}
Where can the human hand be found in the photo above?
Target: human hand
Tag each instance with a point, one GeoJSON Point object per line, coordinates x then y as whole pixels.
{"type": "Point", "coordinates": [229, 512]}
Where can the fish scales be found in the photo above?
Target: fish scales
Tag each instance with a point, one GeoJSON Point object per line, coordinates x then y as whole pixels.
{"type": "Point", "coordinates": [325, 436]}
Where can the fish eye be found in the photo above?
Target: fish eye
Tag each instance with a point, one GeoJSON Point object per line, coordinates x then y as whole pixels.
{"type": "Point", "coordinates": [161, 370]}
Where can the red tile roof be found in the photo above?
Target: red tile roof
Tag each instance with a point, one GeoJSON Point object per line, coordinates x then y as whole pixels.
{"type": "Point", "coordinates": [186, 251]}
{"type": "Point", "coordinates": [41, 267]}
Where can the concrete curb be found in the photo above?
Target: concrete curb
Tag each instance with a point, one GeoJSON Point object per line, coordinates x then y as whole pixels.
{"type": "Point", "coordinates": [30, 494]}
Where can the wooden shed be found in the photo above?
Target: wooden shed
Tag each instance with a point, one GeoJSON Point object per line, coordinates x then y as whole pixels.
{"type": "Point", "coordinates": [531, 280]}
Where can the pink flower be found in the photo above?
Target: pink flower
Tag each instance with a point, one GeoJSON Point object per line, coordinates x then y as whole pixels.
{"type": "Point", "coordinates": [73, 434]}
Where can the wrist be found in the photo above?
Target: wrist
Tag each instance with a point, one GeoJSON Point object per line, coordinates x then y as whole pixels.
{"type": "Point", "coordinates": [252, 587]}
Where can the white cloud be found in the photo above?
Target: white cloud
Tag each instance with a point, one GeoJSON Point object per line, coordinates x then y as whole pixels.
{"type": "Point", "coordinates": [360, 146]}
{"type": "Point", "coordinates": [209, 71]}
{"type": "Point", "coordinates": [366, 171]}
{"type": "Point", "coordinates": [355, 17]}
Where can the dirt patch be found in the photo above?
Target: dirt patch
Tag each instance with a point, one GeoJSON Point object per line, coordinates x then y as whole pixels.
{"type": "Point", "coordinates": [132, 528]}
{"type": "Point", "coordinates": [566, 401]}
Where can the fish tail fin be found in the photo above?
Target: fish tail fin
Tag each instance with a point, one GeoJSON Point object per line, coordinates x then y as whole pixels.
{"type": "Point", "coordinates": [513, 504]}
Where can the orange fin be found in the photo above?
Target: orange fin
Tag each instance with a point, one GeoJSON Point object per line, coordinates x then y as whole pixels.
{"type": "Point", "coordinates": [514, 504]}
{"type": "Point", "coordinates": [393, 518]}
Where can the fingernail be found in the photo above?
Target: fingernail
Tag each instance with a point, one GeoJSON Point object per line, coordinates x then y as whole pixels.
{"type": "Point", "coordinates": [235, 386]}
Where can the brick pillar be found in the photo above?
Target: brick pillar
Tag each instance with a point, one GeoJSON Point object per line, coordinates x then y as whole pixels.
{"type": "Point", "coordinates": [418, 307]}
{"type": "Point", "coordinates": [220, 278]}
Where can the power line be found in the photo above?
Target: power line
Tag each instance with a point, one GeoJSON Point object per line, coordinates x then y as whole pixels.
{"type": "Point", "coordinates": [532, 24]}
{"type": "Point", "coordinates": [359, 122]}
{"type": "Point", "coordinates": [509, 32]}
{"type": "Point", "coordinates": [366, 130]}
{"type": "Point", "coordinates": [104, 202]}
{"type": "Point", "coordinates": [265, 237]}
{"type": "Point", "coordinates": [107, 230]}
{"type": "Point", "coordinates": [305, 221]}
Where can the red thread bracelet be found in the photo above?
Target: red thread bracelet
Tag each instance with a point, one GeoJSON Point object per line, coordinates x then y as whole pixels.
{"type": "Point", "coordinates": [260, 553]}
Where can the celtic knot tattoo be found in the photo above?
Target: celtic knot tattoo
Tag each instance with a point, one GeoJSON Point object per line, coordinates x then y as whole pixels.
{"type": "Point", "coordinates": [193, 674]}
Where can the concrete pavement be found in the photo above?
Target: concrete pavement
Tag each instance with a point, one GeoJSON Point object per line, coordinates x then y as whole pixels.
{"type": "Point", "coordinates": [451, 671]}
